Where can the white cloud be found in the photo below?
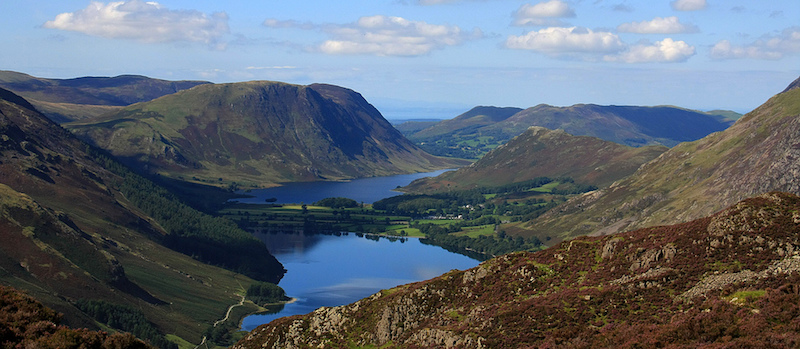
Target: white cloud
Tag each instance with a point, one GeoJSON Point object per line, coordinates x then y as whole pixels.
{"type": "Point", "coordinates": [147, 22]}
{"type": "Point", "coordinates": [688, 5]}
{"type": "Point", "coordinates": [668, 25]}
{"type": "Point", "coordinates": [768, 47]}
{"type": "Point", "coordinates": [543, 13]}
{"type": "Point", "coordinates": [557, 41]}
{"type": "Point", "coordinates": [664, 51]}
{"type": "Point", "coordinates": [392, 36]}
{"type": "Point", "coordinates": [591, 45]}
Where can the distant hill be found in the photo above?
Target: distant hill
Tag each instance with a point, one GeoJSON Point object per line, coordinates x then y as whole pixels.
{"type": "Point", "coordinates": [540, 152]}
{"type": "Point", "coordinates": [64, 100]}
{"type": "Point", "coordinates": [474, 118]}
{"type": "Point", "coordinates": [729, 280]}
{"type": "Point", "coordinates": [474, 133]}
{"type": "Point", "coordinates": [757, 154]}
{"type": "Point", "coordinates": [258, 133]}
{"type": "Point", "coordinates": [77, 225]}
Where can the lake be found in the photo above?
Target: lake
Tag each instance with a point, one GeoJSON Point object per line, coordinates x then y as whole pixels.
{"type": "Point", "coordinates": [366, 190]}
{"type": "Point", "coordinates": [329, 270]}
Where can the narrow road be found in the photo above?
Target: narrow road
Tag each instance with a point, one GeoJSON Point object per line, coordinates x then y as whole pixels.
{"type": "Point", "coordinates": [227, 316]}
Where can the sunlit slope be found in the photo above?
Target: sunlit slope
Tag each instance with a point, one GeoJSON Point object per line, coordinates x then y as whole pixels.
{"type": "Point", "coordinates": [258, 133]}
{"type": "Point", "coordinates": [540, 152]}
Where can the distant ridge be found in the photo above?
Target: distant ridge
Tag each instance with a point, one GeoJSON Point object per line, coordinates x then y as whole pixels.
{"type": "Point", "coordinates": [64, 100]}
{"type": "Point", "coordinates": [472, 134]}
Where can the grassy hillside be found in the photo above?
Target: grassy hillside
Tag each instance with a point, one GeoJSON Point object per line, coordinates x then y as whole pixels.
{"type": "Point", "coordinates": [540, 152]}
{"type": "Point", "coordinates": [77, 225]}
{"type": "Point", "coordinates": [258, 134]}
{"type": "Point", "coordinates": [725, 281]}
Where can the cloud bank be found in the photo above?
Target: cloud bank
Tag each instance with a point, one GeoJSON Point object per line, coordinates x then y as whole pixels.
{"type": "Point", "coordinates": [543, 13]}
{"type": "Point", "coordinates": [768, 47]}
{"type": "Point", "coordinates": [147, 22]}
{"type": "Point", "coordinates": [667, 25]}
{"type": "Point", "coordinates": [586, 44]}
{"type": "Point", "coordinates": [384, 36]}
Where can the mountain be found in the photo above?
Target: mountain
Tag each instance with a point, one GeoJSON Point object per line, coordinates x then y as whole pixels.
{"type": "Point", "coordinates": [540, 152]}
{"type": "Point", "coordinates": [757, 154]}
{"type": "Point", "coordinates": [258, 133]}
{"type": "Point", "coordinates": [75, 225]}
{"type": "Point", "coordinates": [474, 118]}
{"type": "Point", "coordinates": [729, 280]}
{"type": "Point", "coordinates": [64, 100]}
{"type": "Point", "coordinates": [483, 128]}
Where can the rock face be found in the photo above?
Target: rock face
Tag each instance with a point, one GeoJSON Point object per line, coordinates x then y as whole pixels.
{"type": "Point", "coordinates": [728, 280]}
{"type": "Point", "coordinates": [758, 154]}
{"type": "Point", "coordinates": [540, 152]}
{"type": "Point", "coordinates": [258, 133]}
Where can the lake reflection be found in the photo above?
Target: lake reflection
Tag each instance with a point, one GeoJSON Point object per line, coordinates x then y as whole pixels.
{"type": "Point", "coordinates": [327, 270]}
{"type": "Point", "coordinates": [366, 190]}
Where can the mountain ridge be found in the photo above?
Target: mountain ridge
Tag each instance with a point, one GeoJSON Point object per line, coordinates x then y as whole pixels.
{"type": "Point", "coordinates": [472, 134]}
{"type": "Point", "coordinates": [258, 133]}
{"type": "Point", "coordinates": [65, 100]}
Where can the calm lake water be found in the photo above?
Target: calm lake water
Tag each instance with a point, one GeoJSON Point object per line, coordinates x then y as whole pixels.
{"type": "Point", "coordinates": [328, 270]}
{"type": "Point", "coordinates": [366, 190]}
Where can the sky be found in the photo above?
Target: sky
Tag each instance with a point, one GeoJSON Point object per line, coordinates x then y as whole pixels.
{"type": "Point", "coordinates": [428, 58]}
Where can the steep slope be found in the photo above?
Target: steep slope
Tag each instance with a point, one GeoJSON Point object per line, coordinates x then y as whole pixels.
{"type": "Point", "coordinates": [725, 281]}
{"type": "Point", "coordinates": [540, 152]}
{"type": "Point", "coordinates": [756, 155]}
{"type": "Point", "coordinates": [75, 224]}
{"type": "Point", "coordinates": [258, 133]}
{"type": "Point", "coordinates": [474, 133]}
{"type": "Point", "coordinates": [64, 100]}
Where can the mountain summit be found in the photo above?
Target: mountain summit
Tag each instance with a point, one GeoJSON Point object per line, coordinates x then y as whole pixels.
{"type": "Point", "coordinates": [257, 133]}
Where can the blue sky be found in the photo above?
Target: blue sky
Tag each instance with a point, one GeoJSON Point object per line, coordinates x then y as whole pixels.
{"type": "Point", "coordinates": [429, 58]}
